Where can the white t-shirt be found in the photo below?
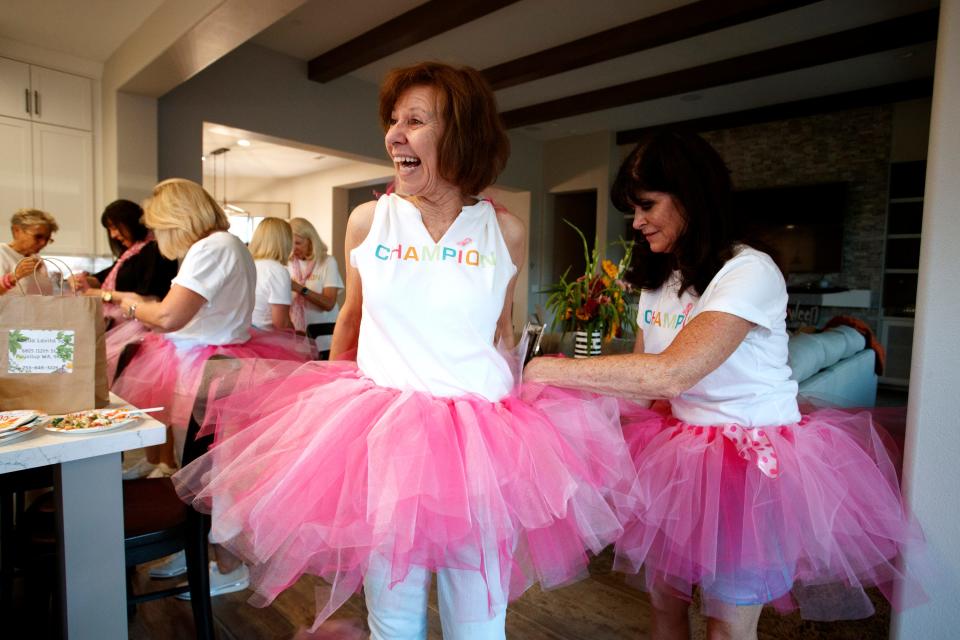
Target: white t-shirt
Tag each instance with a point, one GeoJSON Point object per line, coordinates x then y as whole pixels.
{"type": "Point", "coordinates": [752, 387]}
{"type": "Point", "coordinates": [9, 258]}
{"type": "Point", "coordinates": [273, 287]}
{"type": "Point", "coordinates": [325, 274]}
{"type": "Point", "coordinates": [430, 309]}
{"type": "Point", "coordinates": [220, 269]}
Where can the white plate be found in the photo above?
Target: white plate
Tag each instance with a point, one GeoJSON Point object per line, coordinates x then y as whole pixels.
{"type": "Point", "coordinates": [10, 436]}
{"type": "Point", "coordinates": [13, 419]}
{"type": "Point", "coordinates": [127, 420]}
{"type": "Point", "coordinates": [109, 427]}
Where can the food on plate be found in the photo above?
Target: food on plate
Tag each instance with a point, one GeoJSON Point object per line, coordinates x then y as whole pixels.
{"type": "Point", "coordinates": [92, 419]}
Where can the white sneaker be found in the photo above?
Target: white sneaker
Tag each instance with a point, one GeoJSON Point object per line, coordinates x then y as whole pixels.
{"type": "Point", "coordinates": [140, 469]}
{"type": "Point", "coordinates": [221, 583]}
{"type": "Point", "coordinates": [174, 565]}
{"type": "Point", "coordinates": [161, 471]}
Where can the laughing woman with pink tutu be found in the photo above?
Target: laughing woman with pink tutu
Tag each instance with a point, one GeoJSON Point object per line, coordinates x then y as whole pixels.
{"type": "Point", "coordinates": [422, 456]}
{"type": "Point", "coordinates": [739, 493]}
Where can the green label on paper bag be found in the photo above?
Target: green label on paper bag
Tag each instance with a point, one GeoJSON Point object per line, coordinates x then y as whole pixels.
{"type": "Point", "coordinates": [40, 351]}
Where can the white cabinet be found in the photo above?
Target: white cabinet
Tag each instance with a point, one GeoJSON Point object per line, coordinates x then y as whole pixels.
{"type": "Point", "coordinates": [63, 184]}
{"type": "Point", "coordinates": [16, 170]}
{"type": "Point", "coordinates": [43, 95]}
{"type": "Point", "coordinates": [47, 159]}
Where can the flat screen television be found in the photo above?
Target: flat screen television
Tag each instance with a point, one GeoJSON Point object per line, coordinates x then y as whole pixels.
{"type": "Point", "coordinates": [802, 225]}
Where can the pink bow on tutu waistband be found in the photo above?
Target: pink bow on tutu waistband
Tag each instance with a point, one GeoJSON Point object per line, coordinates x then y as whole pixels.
{"type": "Point", "coordinates": [755, 444]}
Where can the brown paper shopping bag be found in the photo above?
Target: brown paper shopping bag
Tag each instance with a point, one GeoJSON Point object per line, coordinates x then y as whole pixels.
{"type": "Point", "coordinates": [52, 352]}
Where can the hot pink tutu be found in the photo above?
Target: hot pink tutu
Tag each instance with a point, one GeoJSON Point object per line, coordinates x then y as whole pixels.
{"type": "Point", "coordinates": [805, 515]}
{"type": "Point", "coordinates": [321, 469]}
{"type": "Point", "coordinates": [162, 375]}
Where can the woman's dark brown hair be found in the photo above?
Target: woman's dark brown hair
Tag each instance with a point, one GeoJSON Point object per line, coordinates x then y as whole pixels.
{"type": "Point", "coordinates": [124, 215]}
{"type": "Point", "coordinates": [685, 166]}
{"type": "Point", "coordinates": [474, 147]}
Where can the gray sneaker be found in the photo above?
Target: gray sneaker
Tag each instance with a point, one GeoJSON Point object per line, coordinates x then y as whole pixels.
{"type": "Point", "coordinates": [173, 566]}
{"type": "Point", "coordinates": [221, 583]}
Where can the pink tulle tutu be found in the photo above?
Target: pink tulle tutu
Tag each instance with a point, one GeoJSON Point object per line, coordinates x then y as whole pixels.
{"type": "Point", "coordinates": [320, 469]}
{"type": "Point", "coordinates": [117, 338]}
{"type": "Point", "coordinates": [805, 515]}
{"type": "Point", "coordinates": [160, 374]}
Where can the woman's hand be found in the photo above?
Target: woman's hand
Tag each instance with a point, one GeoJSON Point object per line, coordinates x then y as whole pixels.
{"type": "Point", "coordinates": [26, 267]}
{"type": "Point", "coordinates": [125, 298]}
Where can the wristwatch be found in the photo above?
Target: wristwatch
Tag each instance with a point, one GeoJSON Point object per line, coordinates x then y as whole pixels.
{"type": "Point", "coordinates": [303, 291]}
{"type": "Point", "coordinates": [132, 310]}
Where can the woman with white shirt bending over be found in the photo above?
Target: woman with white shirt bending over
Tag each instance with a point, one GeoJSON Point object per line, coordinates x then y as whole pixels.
{"type": "Point", "coordinates": [207, 311]}
{"type": "Point", "coordinates": [316, 282]}
{"type": "Point", "coordinates": [270, 246]}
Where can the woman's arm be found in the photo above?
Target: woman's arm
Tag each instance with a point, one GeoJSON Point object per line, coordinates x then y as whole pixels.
{"type": "Point", "coordinates": [280, 316]}
{"type": "Point", "coordinates": [324, 300]}
{"type": "Point", "coordinates": [170, 314]}
{"type": "Point", "coordinates": [515, 235]}
{"type": "Point", "coordinates": [347, 331]}
{"type": "Point", "coordinates": [700, 347]}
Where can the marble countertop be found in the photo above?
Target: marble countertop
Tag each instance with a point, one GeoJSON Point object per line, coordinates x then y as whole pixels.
{"type": "Point", "coordinates": [43, 447]}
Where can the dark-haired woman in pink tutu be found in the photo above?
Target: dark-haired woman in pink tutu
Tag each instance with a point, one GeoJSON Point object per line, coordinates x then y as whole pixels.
{"type": "Point", "coordinates": [739, 493]}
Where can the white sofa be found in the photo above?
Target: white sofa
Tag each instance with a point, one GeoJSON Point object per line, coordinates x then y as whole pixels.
{"type": "Point", "coordinates": [834, 367]}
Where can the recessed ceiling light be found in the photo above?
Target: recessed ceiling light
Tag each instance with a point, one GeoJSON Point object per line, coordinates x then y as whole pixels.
{"type": "Point", "coordinates": [243, 142]}
{"type": "Point", "coordinates": [904, 55]}
{"type": "Point", "coordinates": [203, 158]}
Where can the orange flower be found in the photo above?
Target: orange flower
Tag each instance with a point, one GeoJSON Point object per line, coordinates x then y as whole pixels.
{"type": "Point", "coordinates": [582, 314]}
{"type": "Point", "coordinates": [609, 268]}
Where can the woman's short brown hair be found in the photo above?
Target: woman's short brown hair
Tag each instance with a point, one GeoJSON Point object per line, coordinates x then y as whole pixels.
{"type": "Point", "coordinates": [474, 147]}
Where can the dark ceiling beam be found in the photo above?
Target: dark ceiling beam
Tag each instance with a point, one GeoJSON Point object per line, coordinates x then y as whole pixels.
{"type": "Point", "coordinates": [884, 94]}
{"type": "Point", "coordinates": [882, 36]}
{"type": "Point", "coordinates": [422, 23]}
{"type": "Point", "coordinates": [683, 22]}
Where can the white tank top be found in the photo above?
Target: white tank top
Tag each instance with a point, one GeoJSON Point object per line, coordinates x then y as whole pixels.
{"type": "Point", "coordinates": [430, 309]}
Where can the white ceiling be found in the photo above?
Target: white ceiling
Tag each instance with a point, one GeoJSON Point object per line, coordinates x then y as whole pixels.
{"type": "Point", "coordinates": [92, 29]}
{"type": "Point", "coordinates": [264, 157]}
{"type": "Point", "coordinates": [88, 29]}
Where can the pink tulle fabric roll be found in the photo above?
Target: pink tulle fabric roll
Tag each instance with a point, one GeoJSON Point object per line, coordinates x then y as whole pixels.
{"type": "Point", "coordinates": [316, 470]}
{"type": "Point", "coordinates": [160, 374]}
{"type": "Point", "coordinates": [802, 516]}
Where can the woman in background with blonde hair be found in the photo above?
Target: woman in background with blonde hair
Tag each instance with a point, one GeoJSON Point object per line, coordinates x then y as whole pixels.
{"type": "Point", "coordinates": [270, 246]}
{"type": "Point", "coordinates": [207, 311]}
{"type": "Point", "coordinates": [315, 281]}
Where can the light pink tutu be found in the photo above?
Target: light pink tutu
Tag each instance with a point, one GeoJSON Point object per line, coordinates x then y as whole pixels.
{"type": "Point", "coordinates": [160, 374]}
{"type": "Point", "coordinates": [321, 469]}
{"type": "Point", "coordinates": [802, 516]}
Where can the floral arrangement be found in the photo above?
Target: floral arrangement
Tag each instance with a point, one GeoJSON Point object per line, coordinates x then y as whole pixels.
{"type": "Point", "coordinates": [597, 300]}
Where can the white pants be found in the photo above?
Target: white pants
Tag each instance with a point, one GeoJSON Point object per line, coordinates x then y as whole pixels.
{"type": "Point", "coordinates": [400, 612]}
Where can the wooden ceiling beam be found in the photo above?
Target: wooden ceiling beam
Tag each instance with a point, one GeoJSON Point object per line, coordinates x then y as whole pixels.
{"type": "Point", "coordinates": [884, 94]}
{"type": "Point", "coordinates": [657, 30]}
{"type": "Point", "coordinates": [882, 36]}
{"type": "Point", "coordinates": [421, 23]}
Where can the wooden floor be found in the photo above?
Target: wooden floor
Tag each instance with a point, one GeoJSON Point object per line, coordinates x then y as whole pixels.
{"type": "Point", "coordinates": [601, 607]}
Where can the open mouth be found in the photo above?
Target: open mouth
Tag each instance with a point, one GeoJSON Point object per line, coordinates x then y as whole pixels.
{"type": "Point", "coordinates": [406, 162]}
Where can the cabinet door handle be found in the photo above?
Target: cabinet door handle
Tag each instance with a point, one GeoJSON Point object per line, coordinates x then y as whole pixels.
{"type": "Point", "coordinates": [26, 95]}
{"type": "Point", "coordinates": [36, 102]}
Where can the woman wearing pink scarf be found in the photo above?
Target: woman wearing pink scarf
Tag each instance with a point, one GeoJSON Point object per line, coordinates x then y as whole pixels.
{"type": "Point", "coordinates": [139, 267]}
{"type": "Point", "coordinates": [316, 282]}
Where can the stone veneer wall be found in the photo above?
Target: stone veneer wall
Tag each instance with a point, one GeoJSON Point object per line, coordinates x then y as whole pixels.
{"type": "Point", "coordinates": [851, 146]}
